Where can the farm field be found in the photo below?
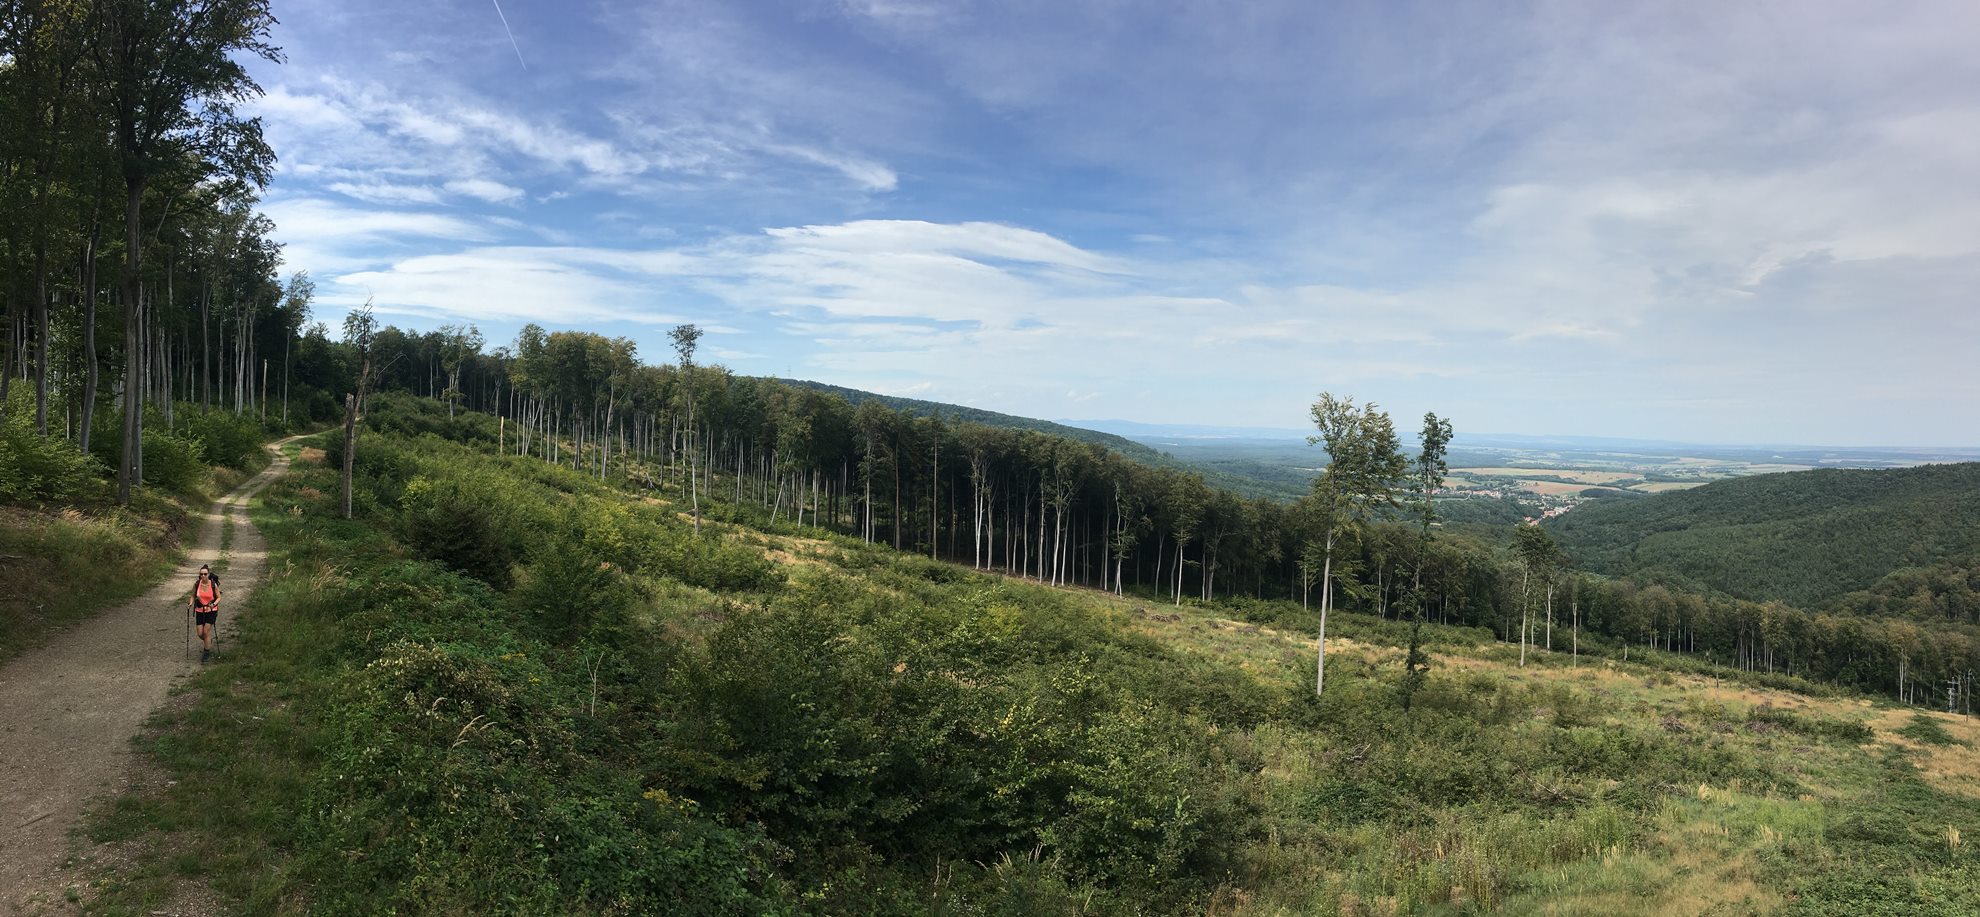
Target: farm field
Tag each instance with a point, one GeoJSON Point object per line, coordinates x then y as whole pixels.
{"type": "Point", "coordinates": [1660, 487]}
{"type": "Point", "coordinates": [1578, 475]}
{"type": "Point", "coordinates": [1506, 466]}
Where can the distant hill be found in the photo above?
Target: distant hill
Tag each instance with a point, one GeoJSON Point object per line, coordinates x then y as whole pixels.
{"type": "Point", "coordinates": [1806, 538]}
{"type": "Point", "coordinates": [1148, 432]}
{"type": "Point", "coordinates": [1238, 483]}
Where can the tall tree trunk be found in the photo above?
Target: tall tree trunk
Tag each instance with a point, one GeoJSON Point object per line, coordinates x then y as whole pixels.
{"type": "Point", "coordinates": [935, 496]}
{"type": "Point", "coordinates": [1179, 569]}
{"type": "Point", "coordinates": [350, 447]}
{"type": "Point", "coordinates": [1550, 617]}
{"type": "Point", "coordinates": [134, 180]}
{"type": "Point", "coordinates": [1524, 615]}
{"type": "Point", "coordinates": [90, 378]}
{"type": "Point", "coordinates": [1326, 605]}
{"type": "Point", "coordinates": [41, 330]}
{"type": "Point", "coordinates": [1574, 614]}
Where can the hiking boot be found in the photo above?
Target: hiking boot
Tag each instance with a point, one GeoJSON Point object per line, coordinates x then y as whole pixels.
{"type": "Point", "coordinates": [205, 655]}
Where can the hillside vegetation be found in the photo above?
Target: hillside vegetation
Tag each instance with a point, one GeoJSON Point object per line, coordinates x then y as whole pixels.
{"type": "Point", "coordinates": [67, 550]}
{"type": "Point", "coordinates": [1249, 479]}
{"type": "Point", "coordinates": [1805, 538]}
{"type": "Point", "coordinates": [511, 687]}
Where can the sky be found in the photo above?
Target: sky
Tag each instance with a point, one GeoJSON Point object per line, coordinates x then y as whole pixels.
{"type": "Point", "coordinates": [1713, 222]}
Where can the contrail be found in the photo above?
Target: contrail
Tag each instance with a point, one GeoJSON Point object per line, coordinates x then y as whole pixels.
{"type": "Point", "coordinates": [512, 34]}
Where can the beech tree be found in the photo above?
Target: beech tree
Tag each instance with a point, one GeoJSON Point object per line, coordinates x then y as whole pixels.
{"type": "Point", "coordinates": [1427, 480]}
{"type": "Point", "coordinates": [1539, 558]}
{"type": "Point", "coordinates": [1365, 468]}
{"type": "Point", "coordinates": [1186, 502]}
{"type": "Point", "coordinates": [685, 338]}
{"type": "Point", "coordinates": [360, 328]}
{"type": "Point", "coordinates": [172, 78]}
{"type": "Point", "coordinates": [458, 343]}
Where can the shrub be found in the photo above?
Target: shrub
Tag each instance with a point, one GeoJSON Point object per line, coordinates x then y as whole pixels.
{"type": "Point", "coordinates": [1814, 727]}
{"type": "Point", "coordinates": [572, 592]}
{"type": "Point", "coordinates": [455, 775]}
{"type": "Point", "coordinates": [171, 460]}
{"type": "Point", "coordinates": [843, 717]}
{"type": "Point", "coordinates": [37, 468]}
{"type": "Point", "coordinates": [1924, 728]}
{"type": "Point", "coordinates": [457, 527]}
{"type": "Point", "coordinates": [225, 438]}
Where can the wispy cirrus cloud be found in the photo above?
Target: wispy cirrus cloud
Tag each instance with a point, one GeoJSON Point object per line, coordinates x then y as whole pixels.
{"type": "Point", "coordinates": [1718, 222]}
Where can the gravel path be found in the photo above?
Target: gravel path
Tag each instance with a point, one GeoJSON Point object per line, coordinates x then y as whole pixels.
{"type": "Point", "coordinates": [68, 710]}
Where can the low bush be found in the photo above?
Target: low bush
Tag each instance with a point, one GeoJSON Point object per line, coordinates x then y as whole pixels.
{"type": "Point", "coordinates": [1815, 727]}
{"type": "Point", "coordinates": [35, 468]}
{"type": "Point", "coordinates": [460, 526]}
{"type": "Point", "coordinates": [225, 438]}
{"type": "Point", "coordinates": [171, 460]}
{"type": "Point", "coordinates": [1927, 729]}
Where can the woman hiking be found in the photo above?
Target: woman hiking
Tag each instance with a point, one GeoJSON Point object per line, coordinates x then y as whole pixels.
{"type": "Point", "coordinates": [206, 609]}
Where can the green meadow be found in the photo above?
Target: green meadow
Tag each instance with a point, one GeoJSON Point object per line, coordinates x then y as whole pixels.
{"type": "Point", "coordinates": [508, 687]}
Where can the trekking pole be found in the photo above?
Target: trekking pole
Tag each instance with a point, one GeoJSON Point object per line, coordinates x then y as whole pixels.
{"type": "Point", "coordinates": [188, 633]}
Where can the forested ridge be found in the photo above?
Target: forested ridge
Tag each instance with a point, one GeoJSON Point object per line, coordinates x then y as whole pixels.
{"type": "Point", "coordinates": [1245, 480]}
{"type": "Point", "coordinates": [1805, 538]}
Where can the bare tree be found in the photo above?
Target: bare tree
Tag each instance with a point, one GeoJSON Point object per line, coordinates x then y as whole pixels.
{"type": "Point", "coordinates": [359, 327]}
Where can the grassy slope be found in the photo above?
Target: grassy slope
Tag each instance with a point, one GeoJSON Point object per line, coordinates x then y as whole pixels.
{"type": "Point", "coordinates": [1556, 788]}
{"type": "Point", "coordinates": [63, 564]}
{"type": "Point", "coordinates": [1804, 538]}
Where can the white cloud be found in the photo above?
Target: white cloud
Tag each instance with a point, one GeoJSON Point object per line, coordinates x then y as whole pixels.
{"type": "Point", "coordinates": [493, 192]}
{"type": "Point", "coordinates": [324, 236]}
{"type": "Point", "coordinates": [380, 192]}
{"type": "Point", "coordinates": [544, 285]}
{"type": "Point", "coordinates": [1567, 207]}
{"type": "Point", "coordinates": [867, 173]}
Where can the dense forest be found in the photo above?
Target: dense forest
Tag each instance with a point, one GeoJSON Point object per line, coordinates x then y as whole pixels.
{"type": "Point", "coordinates": [1806, 538]}
{"type": "Point", "coordinates": [1248, 480]}
{"type": "Point", "coordinates": [134, 271]}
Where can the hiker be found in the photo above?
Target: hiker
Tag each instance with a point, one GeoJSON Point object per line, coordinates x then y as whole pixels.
{"type": "Point", "coordinates": [206, 608]}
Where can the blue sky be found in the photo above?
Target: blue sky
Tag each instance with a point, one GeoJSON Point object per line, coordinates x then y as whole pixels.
{"type": "Point", "coordinates": [1703, 221]}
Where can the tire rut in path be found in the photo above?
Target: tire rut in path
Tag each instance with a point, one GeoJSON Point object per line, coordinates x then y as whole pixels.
{"type": "Point", "coordinates": [69, 709]}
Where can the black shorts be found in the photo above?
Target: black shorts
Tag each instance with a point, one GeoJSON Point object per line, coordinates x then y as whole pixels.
{"type": "Point", "coordinates": [205, 617]}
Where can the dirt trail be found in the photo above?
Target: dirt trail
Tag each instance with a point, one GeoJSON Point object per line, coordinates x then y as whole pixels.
{"type": "Point", "coordinates": [69, 709]}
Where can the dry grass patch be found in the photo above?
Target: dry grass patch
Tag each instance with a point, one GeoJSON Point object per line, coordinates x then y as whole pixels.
{"type": "Point", "coordinates": [1951, 768]}
{"type": "Point", "coordinates": [1556, 488]}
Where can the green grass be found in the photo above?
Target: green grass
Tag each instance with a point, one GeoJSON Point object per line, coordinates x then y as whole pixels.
{"type": "Point", "coordinates": [78, 554]}
{"type": "Point", "coordinates": [1925, 729]}
{"type": "Point", "coordinates": [623, 718]}
{"type": "Point", "coordinates": [62, 566]}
